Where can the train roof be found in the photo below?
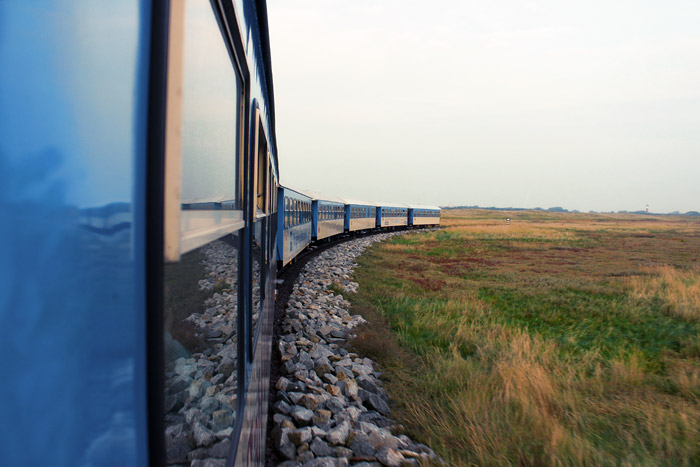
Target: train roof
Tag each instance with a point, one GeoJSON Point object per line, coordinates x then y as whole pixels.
{"type": "Point", "coordinates": [358, 202]}
{"type": "Point", "coordinates": [393, 205]}
{"type": "Point", "coordinates": [423, 206]}
{"type": "Point", "coordinates": [315, 195]}
{"type": "Point", "coordinates": [299, 192]}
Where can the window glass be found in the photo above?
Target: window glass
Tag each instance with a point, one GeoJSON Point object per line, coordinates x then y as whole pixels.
{"type": "Point", "coordinates": [200, 319]}
{"type": "Point", "coordinates": [200, 291]}
{"type": "Point", "coordinates": [261, 170]}
{"type": "Point", "coordinates": [259, 270]}
{"type": "Point", "coordinates": [211, 89]}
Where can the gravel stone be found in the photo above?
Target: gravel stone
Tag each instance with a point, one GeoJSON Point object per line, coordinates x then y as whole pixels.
{"type": "Point", "coordinates": [335, 399]}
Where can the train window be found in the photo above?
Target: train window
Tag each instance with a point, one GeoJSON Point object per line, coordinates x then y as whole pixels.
{"type": "Point", "coordinates": [258, 276]}
{"type": "Point", "coordinates": [270, 187]}
{"type": "Point", "coordinates": [286, 212]}
{"type": "Point", "coordinates": [203, 222]}
{"type": "Point", "coordinates": [204, 123]}
{"type": "Point", "coordinates": [261, 168]}
{"type": "Point", "coordinates": [200, 312]}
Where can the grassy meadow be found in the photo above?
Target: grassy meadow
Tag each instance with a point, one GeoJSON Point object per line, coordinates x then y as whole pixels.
{"type": "Point", "coordinates": [555, 339]}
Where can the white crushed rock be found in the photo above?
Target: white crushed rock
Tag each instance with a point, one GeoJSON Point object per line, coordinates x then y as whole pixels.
{"type": "Point", "coordinates": [330, 408]}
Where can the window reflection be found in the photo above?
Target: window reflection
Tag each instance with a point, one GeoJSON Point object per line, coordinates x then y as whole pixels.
{"type": "Point", "coordinates": [258, 272]}
{"type": "Point", "coordinates": [210, 111]}
{"type": "Point", "coordinates": [200, 310]}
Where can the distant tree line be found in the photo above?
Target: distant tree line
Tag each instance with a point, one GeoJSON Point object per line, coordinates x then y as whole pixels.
{"type": "Point", "coordinates": [561, 209]}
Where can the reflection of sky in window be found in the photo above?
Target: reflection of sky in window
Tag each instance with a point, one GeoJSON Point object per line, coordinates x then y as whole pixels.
{"type": "Point", "coordinates": [70, 93]}
{"type": "Point", "coordinates": [209, 110]}
{"type": "Point", "coordinates": [70, 114]}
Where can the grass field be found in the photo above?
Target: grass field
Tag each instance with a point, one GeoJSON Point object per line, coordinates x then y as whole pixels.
{"type": "Point", "coordinates": [555, 339]}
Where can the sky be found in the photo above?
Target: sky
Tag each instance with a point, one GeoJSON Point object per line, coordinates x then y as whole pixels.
{"type": "Point", "coordinates": [586, 105]}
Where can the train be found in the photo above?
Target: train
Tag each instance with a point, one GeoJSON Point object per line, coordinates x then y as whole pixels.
{"type": "Point", "coordinates": [143, 225]}
{"type": "Point", "coordinates": [307, 216]}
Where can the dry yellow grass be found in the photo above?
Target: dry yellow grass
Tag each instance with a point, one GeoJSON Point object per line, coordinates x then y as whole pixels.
{"type": "Point", "coordinates": [678, 289]}
{"type": "Point", "coordinates": [473, 328]}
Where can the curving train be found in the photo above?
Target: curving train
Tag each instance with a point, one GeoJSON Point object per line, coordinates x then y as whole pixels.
{"type": "Point", "coordinates": [306, 217]}
{"type": "Point", "coordinates": [143, 223]}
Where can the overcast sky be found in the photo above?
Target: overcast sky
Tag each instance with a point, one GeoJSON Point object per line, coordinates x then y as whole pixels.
{"type": "Point", "coordinates": [587, 105]}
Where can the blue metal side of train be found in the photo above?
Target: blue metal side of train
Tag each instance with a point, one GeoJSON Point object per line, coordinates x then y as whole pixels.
{"type": "Point", "coordinates": [141, 234]}
{"type": "Point", "coordinates": [360, 215]}
{"type": "Point", "coordinates": [296, 218]}
{"type": "Point", "coordinates": [119, 170]}
{"type": "Point", "coordinates": [327, 213]}
{"type": "Point", "coordinates": [423, 215]}
{"type": "Point", "coordinates": [342, 216]}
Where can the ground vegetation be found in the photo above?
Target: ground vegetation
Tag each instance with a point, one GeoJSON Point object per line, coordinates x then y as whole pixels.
{"type": "Point", "coordinates": [549, 339]}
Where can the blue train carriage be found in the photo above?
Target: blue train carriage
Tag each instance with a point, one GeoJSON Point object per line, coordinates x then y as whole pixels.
{"type": "Point", "coordinates": [327, 215]}
{"type": "Point", "coordinates": [359, 215]}
{"type": "Point", "coordinates": [392, 215]}
{"type": "Point", "coordinates": [295, 217]}
{"type": "Point", "coordinates": [138, 170]}
{"type": "Point", "coordinates": [421, 215]}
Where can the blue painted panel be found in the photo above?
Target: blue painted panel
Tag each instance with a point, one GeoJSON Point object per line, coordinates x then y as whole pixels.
{"type": "Point", "coordinates": [72, 178]}
{"type": "Point", "coordinates": [280, 224]}
{"type": "Point", "coordinates": [291, 240]}
{"type": "Point", "coordinates": [314, 219]}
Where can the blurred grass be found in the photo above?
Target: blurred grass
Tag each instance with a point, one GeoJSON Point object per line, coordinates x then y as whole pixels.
{"type": "Point", "coordinates": [553, 340]}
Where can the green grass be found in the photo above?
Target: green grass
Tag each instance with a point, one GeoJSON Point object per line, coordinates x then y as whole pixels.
{"type": "Point", "coordinates": [549, 342]}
